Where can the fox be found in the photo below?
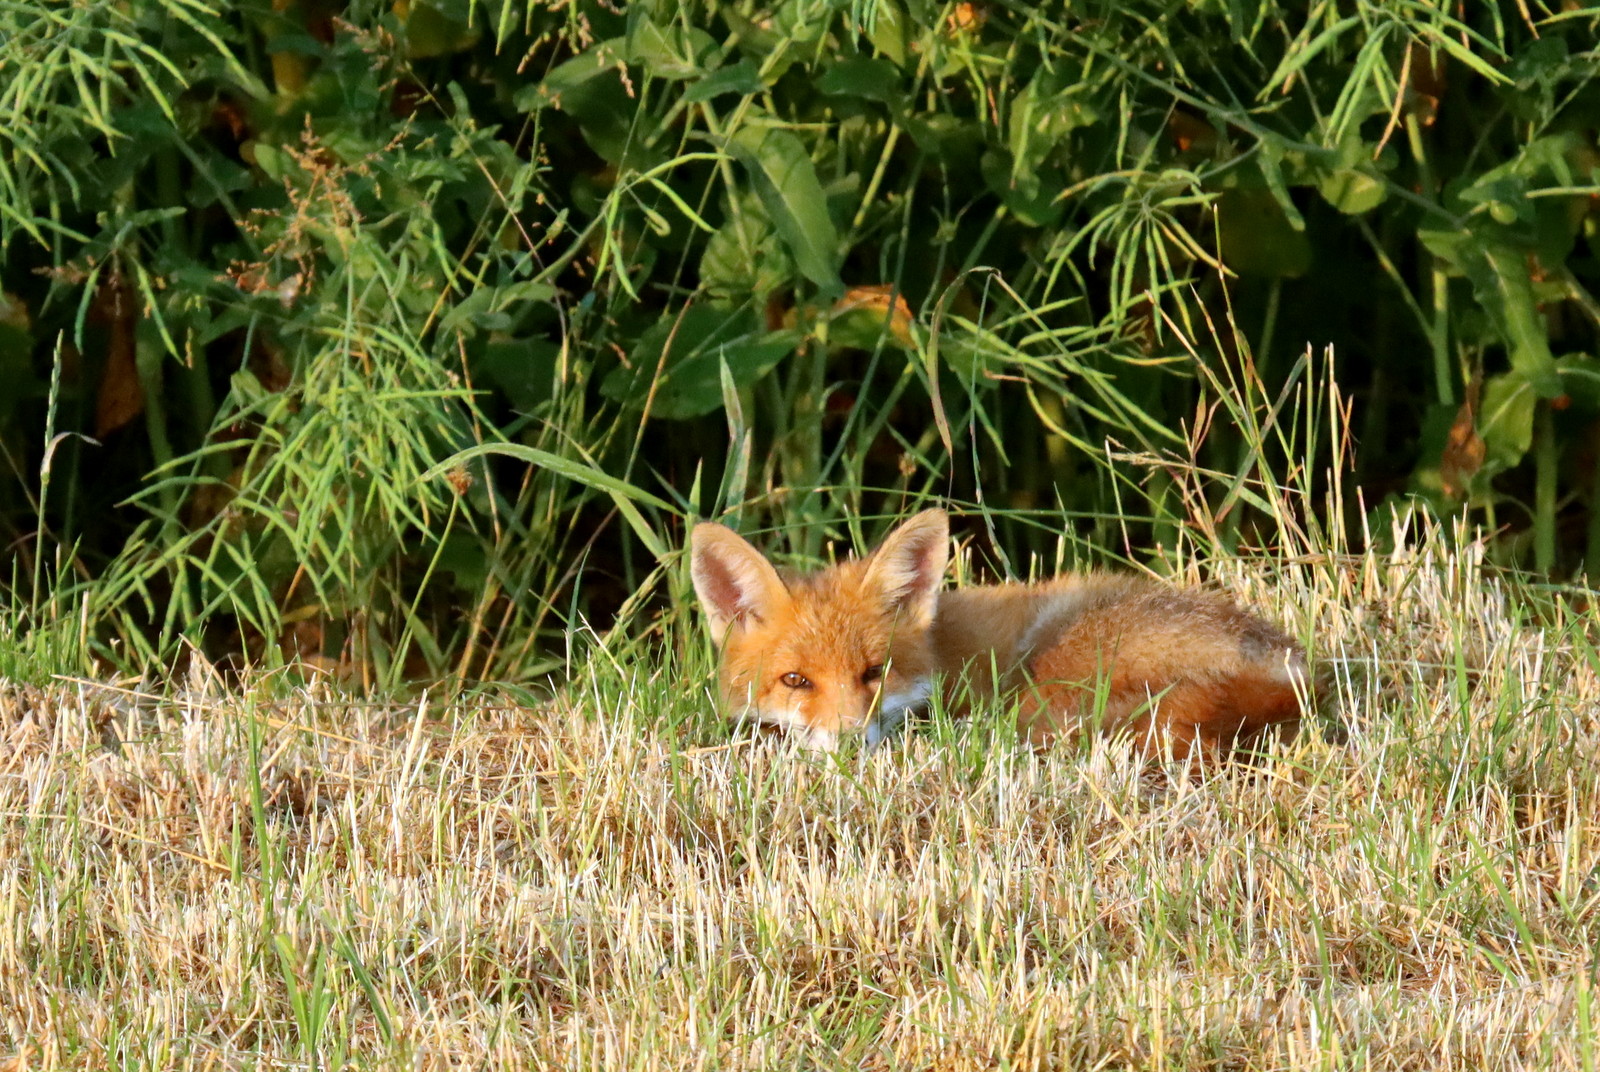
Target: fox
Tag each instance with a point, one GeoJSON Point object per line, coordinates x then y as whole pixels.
{"type": "Point", "coordinates": [853, 650]}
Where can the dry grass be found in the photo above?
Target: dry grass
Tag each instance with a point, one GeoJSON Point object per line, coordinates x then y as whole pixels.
{"type": "Point", "coordinates": [610, 880]}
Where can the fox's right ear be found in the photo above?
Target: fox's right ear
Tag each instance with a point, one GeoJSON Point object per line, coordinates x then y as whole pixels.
{"type": "Point", "coordinates": [734, 581]}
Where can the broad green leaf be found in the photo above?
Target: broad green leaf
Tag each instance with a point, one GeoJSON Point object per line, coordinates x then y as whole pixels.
{"type": "Point", "coordinates": [889, 32]}
{"type": "Point", "coordinates": [756, 37]}
{"type": "Point", "coordinates": [1504, 197]}
{"type": "Point", "coordinates": [272, 161]}
{"type": "Point", "coordinates": [786, 181]}
{"type": "Point", "coordinates": [742, 78]}
{"type": "Point", "coordinates": [946, 138]}
{"type": "Point", "coordinates": [1040, 119]}
{"type": "Point", "coordinates": [858, 76]}
{"type": "Point", "coordinates": [802, 22]}
{"type": "Point", "coordinates": [1352, 191]}
{"type": "Point", "coordinates": [524, 369]}
{"type": "Point", "coordinates": [1499, 276]}
{"type": "Point", "coordinates": [590, 88]}
{"type": "Point", "coordinates": [1505, 421]}
{"type": "Point", "coordinates": [1517, 308]}
{"type": "Point", "coordinates": [669, 52]}
{"type": "Point", "coordinates": [745, 257]}
{"type": "Point", "coordinates": [486, 307]}
{"type": "Point", "coordinates": [1580, 380]}
{"type": "Point", "coordinates": [601, 109]}
{"type": "Point", "coordinates": [1034, 197]}
{"type": "Point", "coordinates": [676, 367]}
{"type": "Point", "coordinates": [574, 73]}
{"type": "Point", "coordinates": [431, 32]}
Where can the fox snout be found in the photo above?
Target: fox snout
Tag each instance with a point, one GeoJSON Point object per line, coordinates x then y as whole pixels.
{"type": "Point", "coordinates": [894, 709]}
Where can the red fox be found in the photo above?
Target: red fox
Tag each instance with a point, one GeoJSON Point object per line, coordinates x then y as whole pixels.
{"type": "Point", "coordinates": [855, 648]}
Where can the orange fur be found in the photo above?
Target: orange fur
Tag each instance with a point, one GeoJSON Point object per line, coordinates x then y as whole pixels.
{"type": "Point", "coordinates": [1175, 669]}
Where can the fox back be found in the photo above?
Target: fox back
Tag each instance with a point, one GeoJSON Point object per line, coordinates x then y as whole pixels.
{"type": "Point", "coordinates": [856, 647]}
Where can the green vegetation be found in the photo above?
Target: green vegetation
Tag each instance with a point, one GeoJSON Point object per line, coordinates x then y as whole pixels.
{"type": "Point", "coordinates": [801, 263]}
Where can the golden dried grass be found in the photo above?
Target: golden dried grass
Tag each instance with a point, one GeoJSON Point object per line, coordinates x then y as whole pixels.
{"type": "Point", "coordinates": [213, 879]}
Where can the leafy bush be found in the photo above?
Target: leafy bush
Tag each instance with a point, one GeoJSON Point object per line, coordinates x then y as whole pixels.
{"type": "Point", "coordinates": [807, 260]}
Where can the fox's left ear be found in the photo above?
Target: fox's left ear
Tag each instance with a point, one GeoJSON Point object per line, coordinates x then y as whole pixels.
{"type": "Point", "coordinates": [908, 567]}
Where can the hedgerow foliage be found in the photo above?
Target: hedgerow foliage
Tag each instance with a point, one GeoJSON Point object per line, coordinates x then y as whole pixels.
{"type": "Point", "coordinates": [269, 268]}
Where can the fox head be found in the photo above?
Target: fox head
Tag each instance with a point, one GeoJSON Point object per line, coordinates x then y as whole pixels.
{"type": "Point", "coordinates": [847, 650]}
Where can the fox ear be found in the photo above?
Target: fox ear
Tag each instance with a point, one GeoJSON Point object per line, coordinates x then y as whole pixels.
{"type": "Point", "coordinates": [908, 567]}
{"type": "Point", "coordinates": [733, 580]}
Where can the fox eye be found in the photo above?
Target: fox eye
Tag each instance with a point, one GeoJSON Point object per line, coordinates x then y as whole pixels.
{"type": "Point", "coordinates": [796, 681]}
{"type": "Point", "coordinates": [872, 674]}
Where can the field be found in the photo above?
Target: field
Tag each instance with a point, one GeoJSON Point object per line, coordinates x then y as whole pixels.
{"type": "Point", "coordinates": [364, 364]}
{"type": "Point", "coordinates": [272, 877]}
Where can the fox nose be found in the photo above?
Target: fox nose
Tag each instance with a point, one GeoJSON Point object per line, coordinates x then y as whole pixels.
{"type": "Point", "coordinates": [856, 711]}
{"type": "Point", "coordinates": [880, 721]}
